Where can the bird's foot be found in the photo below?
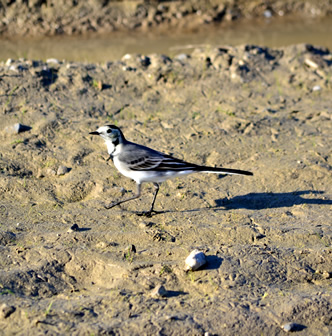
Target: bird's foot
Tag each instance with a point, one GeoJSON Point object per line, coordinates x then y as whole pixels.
{"type": "Point", "coordinates": [111, 205]}
{"type": "Point", "coordinates": [149, 213]}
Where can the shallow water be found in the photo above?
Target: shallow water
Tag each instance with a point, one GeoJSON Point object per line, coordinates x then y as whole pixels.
{"type": "Point", "coordinates": [272, 33]}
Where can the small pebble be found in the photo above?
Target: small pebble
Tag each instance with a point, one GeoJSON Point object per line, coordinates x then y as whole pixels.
{"type": "Point", "coordinates": [9, 62]}
{"type": "Point", "coordinates": [13, 68]}
{"type": "Point", "coordinates": [291, 326]}
{"type": "Point", "coordinates": [267, 14]}
{"type": "Point", "coordinates": [52, 60]}
{"type": "Point", "coordinates": [126, 57]}
{"type": "Point", "coordinates": [327, 275]}
{"type": "Point", "coordinates": [182, 57]}
{"type": "Point", "coordinates": [50, 172]}
{"type": "Point", "coordinates": [145, 225]}
{"type": "Point", "coordinates": [159, 291]}
{"type": "Point", "coordinates": [62, 170]}
{"type": "Point", "coordinates": [71, 66]}
{"type": "Point", "coordinates": [6, 310]}
{"type": "Point", "coordinates": [194, 261]}
{"type": "Point", "coordinates": [311, 63]}
{"type": "Point", "coordinates": [17, 128]}
{"type": "Point", "coordinates": [101, 245]}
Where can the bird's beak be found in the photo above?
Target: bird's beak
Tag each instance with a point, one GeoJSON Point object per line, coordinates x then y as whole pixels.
{"type": "Point", "coordinates": [94, 133]}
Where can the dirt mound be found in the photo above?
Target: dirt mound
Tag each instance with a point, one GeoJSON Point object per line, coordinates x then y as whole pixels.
{"type": "Point", "coordinates": [50, 17]}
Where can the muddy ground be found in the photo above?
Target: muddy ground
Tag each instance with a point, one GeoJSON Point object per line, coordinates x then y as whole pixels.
{"type": "Point", "coordinates": [267, 238]}
{"type": "Point", "coordinates": [49, 17]}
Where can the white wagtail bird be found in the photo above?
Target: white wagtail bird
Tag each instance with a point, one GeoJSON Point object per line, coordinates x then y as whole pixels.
{"type": "Point", "coordinates": [143, 164]}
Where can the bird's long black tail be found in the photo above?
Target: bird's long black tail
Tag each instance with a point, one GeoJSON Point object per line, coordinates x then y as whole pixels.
{"type": "Point", "coordinates": [204, 169]}
{"type": "Point", "coordinates": [173, 164]}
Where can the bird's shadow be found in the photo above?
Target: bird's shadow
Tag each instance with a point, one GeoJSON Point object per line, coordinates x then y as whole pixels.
{"type": "Point", "coordinates": [259, 201]}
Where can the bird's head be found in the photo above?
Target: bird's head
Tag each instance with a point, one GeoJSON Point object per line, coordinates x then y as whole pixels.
{"type": "Point", "coordinates": [110, 133]}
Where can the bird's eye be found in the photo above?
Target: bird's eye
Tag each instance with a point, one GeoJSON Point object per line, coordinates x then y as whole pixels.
{"type": "Point", "coordinates": [109, 130]}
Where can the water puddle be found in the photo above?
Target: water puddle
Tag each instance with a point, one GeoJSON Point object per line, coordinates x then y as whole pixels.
{"type": "Point", "coordinates": [273, 33]}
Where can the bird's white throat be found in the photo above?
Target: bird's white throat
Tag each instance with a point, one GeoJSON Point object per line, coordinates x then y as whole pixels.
{"type": "Point", "coordinates": [110, 147]}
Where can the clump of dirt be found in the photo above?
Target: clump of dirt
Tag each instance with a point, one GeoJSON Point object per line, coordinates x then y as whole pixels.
{"type": "Point", "coordinates": [69, 266]}
{"type": "Point", "coordinates": [80, 17]}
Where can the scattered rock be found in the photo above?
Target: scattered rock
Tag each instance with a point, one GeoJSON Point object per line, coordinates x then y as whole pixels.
{"type": "Point", "coordinates": [182, 57]}
{"type": "Point", "coordinates": [327, 275]}
{"type": "Point", "coordinates": [145, 225]}
{"type": "Point", "coordinates": [194, 261]}
{"type": "Point", "coordinates": [267, 14]}
{"type": "Point", "coordinates": [291, 326]}
{"type": "Point", "coordinates": [52, 60]}
{"type": "Point", "coordinates": [62, 170]}
{"type": "Point", "coordinates": [50, 172]}
{"type": "Point", "coordinates": [17, 128]}
{"type": "Point", "coordinates": [101, 245]}
{"type": "Point", "coordinates": [159, 291]}
{"type": "Point", "coordinates": [6, 310]}
{"type": "Point", "coordinates": [9, 62]}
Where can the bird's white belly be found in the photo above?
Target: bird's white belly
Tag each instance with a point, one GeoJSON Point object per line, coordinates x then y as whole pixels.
{"type": "Point", "coordinates": [152, 176]}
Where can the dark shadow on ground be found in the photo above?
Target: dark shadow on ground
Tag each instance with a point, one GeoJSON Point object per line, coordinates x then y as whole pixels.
{"type": "Point", "coordinates": [212, 262]}
{"type": "Point", "coordinates": [253, 201]}
{"type": "Point", "coordinates": [259, 201]}
{"type": "Point", "coordinates": [175, 293]}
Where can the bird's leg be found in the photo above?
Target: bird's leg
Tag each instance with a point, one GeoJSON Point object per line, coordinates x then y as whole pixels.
{"type": "Point", "coordinates": [156, 186]}
{"type": "Point", "coordinates": [149, 213]}
{"type": "Point", "coordinates": [137, 195]}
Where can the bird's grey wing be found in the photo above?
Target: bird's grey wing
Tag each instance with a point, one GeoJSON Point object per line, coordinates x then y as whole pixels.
{"type": "Point", "coordinates": [174, 164]}
{"type": "Point", "coordinates": [138, 157]}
